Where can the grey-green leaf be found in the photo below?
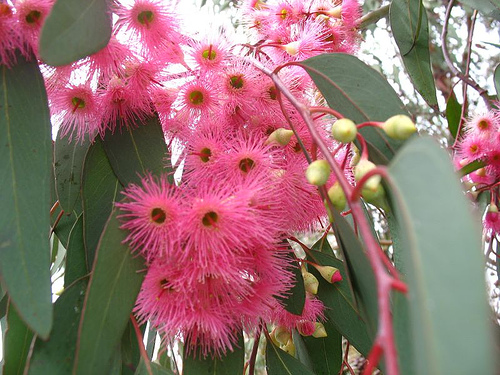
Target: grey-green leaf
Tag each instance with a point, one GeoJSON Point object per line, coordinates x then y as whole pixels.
{"type": "Point", "coordinates": [100, 189]}
{"type": "Point", "coordinates": [453, 113]}
{"type": "Point", "coordinates": [25, 183]}
{"type": "Point", "coordinates": [411, 31]}
{"type": "Point", "coordinates": [489, 8]}
{"type": "Point", "coordinates": [359, 93]}
{"type": "Point", "coordinates": [73, 30]}
{"type": "Point", "coordinates": [17, 342]}
{"type": "Point", "coordinates": [280, 363]}
{"type": "Point", "coordinates": [56, 355]}
{"type": "Point", "coordinates": [68, 165]}
{"type": "Point", "coordinates": [137, 150]}
{"type": "Point", "coordinates": [295, 299]}
{"type": "Point", "coordinates": [229, 364]}
{"type": "Point", "coordinates": [155, 369]}
{"type": "Point", "coordinates": [496, 78]}
{"type": "Point", "coordinates": [110, 297]}
{"type": "Point", "coordinates": [447, 299]}
{"type": "Point", "coordinates": [76, 259]}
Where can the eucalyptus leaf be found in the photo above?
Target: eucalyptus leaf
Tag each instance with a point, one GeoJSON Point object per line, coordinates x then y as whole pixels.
{"type": "Point", "coordinates": [280, 363]}
{"type": "Point", "coordinates": [17, 342]}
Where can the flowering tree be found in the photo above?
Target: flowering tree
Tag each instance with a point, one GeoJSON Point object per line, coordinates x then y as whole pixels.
{"type": "Point", "coordinates": [276, 138]}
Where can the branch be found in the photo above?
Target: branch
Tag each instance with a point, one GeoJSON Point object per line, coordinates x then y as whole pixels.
{"type": "Point", "coordinates": [373, 17]}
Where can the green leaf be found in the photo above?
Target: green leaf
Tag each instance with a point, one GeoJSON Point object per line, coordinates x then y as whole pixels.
{"type": "Point", "coordinates": [295, 299]}
{"type": "Point", "coordinates": [323, 246]}
{"type": "Point", "coordinates": [100, 188]}
{"type": "Point", "coordinates": [56, 355]}
{"type": "Point", "coordinates": [496, 78]}
{"type": "Point", "coordinates": [453, 113]}
{"type": "Point", "coordinates": [489, 8]}
{"type": "Point", "coordinates": [113, 288]}
{"type": "Point", "coordinates": [137, 150]}
{"type": "Point", "coordinates": [359, 270]}
{"type": "Point", "coordinates": [338, 299]}
{"type": "Point", "coordinates": [76, 260]}
{"type": "Point", "coordinates": [471, 167]}
{"type": "Point", "coordinates": [301, 351]}
{"type": "Point", "coordinates": [325, 353]}
{"type": "Point", "coordinates": [25, 178]}
{"type": "Point", "coordinates": [17, 343]}
{"type": "Point", "coordinates": [360, 93]}
{"type": "Point", "coordinates": [155, 369]}
{"type": "Point", "coordinates": [130, 350]}
{"type": "Point", "coordinates": [411, 31]}
{"type": "Point", "coordinates": [68, 165]}
{"type": "Point", "coordinates": [280, 363]}
{"type": "Point", "coordinates": [447, 299]}
{"type": "Point", "coordinates": [74, 30]}
{"type": "Point", "coordinates": [231, 363]}
{"type": "Point", "coordinates": [63, 228]}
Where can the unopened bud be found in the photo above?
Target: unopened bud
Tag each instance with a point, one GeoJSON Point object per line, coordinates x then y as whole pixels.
{"type": "Point", "coordinates": [318, 172]}
{"type": "Point", "coordinates": [356, 155]}
{"type": "Point", "coordinates": [281, 136]}
{"type": "Point", "coordinates": [319, 330]}
{"type": "Point", "coordinates": [311, 283]}
{"type": "Point", "coordinates": [481, 172]}
{"type": "Point", "coordinates": [363, 167]}
{"type": "Point", "coordinates": [335, 12]}
{"type": "Point", "coordinates": [329, 273]}
{"type": "Point", "coordinates": [399, 127]}
{"type": "Point", "coordinates": [337, 196]}
{"type": "Point", "coordinates": [306, 328]}
{"type": "Point", "coordinates": [282, 335]}
{"type": "Point", "coordinates": [375, 196]}
{"type": "Point", "coordinates": [292, 48]}
{"type": "Point", "coordinates": [272, 335]}
{"type": "Point", "coordinates": [344, 130]}
{"type": "Point", "coordinates": [493, 208]}
{"type": "Point", "coordinates": [289, 348]}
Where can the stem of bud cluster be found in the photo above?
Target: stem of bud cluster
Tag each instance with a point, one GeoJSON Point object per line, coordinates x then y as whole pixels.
{"type": "Point", "coordinates": [356, 192]}
{"type": "Point", "coordinates": [364, 147]}
{"type": "Point", "coordinates": [330, 111]}
{"type": "Point", "coordinates": [376, 124]}
{"type": "Point", "coordinates": [140, 342]}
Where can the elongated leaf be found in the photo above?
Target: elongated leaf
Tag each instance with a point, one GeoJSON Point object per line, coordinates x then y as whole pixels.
{"type": "Point", "coordinates": [134, 151]}
{"type": "Point", "coordinates": [155, 369]}
{"type": "Point", "coordinates": [25, 172]}
{"type": "Point", "coordinates": [359, 93]}
{"type": "Point", "coordinates": [411, 31]}
{"type": "Point", "coordinates": [113, 288]}
{"type": "Point", "coordinates": [453, 113]}
{"type": "Point", "coordinates": [100, 188]}
{"type": "Point", "coordinates": [17, 343]}
{"type": "Point", "coordinates": [63, 228]}
{"type": "Point", "coordinates": [301, 352]}
{"type": "Point", "coordinates": [73, 30]}
{"type": "Point", "coordinates": [231, 363]}
{"type": "Point", "coordinates": [56, 355]}
{"type": "Point", "coordinates": [360, 271]}
{"type": "Point", "coordinates": [471, 167]}
{"type": "Point", "coordinates": [280, 363]}
{"type": "Point", "coordinates": [338, 299]}
{"type": "Point", "coordinates": [296, 295]}
{"type": "Point", "coordinates": [436, 227]}
{"type": "Point", "coordinates": [76, 260]}
{"type": "Point", "coordinates": [489, 8]}
{"type": "Point", "coordinates": [496, 78]}
{"type": "Point", "coordinates": [68, 165]}
{"type": "Point", "coordinates": [325, 353]}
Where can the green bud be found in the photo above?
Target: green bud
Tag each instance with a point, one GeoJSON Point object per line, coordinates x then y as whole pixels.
{"type": "Point", "coordinates": [289, 348]}
{"type": "Point", "coordinates": [337, 196]}
{"type": "Point", "coordinates": [282, 335]}
{"type": "Point", "coordinates": [375, 196]}
{"type": "Point", "coordinates": [319, 331]}
{"type": "Point", "coordinates": [493, 208]}
{"type": "Point", "coordinates": [363, 167]}
{"type": "Point", "coordinates": [281, 136]}
{"type": "Point", "coordinates": [318, 172]}
{"type": "Point", "coordinates": [311, 283]}
{"type": "Point", "coordinates": [344, 130]}
{"type": "Point", "coordinates": [329, 273]}
{"type": "Point", "coordinates": [399, 127]}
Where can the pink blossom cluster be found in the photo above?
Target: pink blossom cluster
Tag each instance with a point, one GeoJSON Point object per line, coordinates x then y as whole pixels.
{"type": "Point", "coordinates": [215, 243]}
{"type": "Point", "coordinates": [481, 143]}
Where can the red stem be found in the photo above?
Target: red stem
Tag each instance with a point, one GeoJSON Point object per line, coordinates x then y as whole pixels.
{"type": "Point", "coordinates": [376, 124]}
{"type": "Point", "coordinates": [140, 341]}
{"type": "Point", "coordinates": [326, 110]}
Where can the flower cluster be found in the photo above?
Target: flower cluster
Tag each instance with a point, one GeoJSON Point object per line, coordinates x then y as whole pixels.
{"type": "Point", "coordinates": [481, 143]}
{"type": "Point", "coordinates": [215, 243]}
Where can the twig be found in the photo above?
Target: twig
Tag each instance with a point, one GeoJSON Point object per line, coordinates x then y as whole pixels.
{"type": "Point", "coordinates": [482, 92]}
{"type": "Point", "coordinates": [253, 355]}
{"type": "Point", "coordinates": [140, 341]}
{"type": "Point", "coordinates": [55, 223]}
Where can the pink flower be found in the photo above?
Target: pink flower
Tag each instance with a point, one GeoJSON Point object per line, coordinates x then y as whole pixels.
{"type": "Point", "coordinates": [152, 215]}
{"type": "Point", "coordinates": [10, 38]}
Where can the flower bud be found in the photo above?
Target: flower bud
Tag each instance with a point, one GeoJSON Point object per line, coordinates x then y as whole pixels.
{"type": "Point", "coordinates": [311, 283]}
{"type": "Point", "coordinates": [493, 208]}
{"type": "Point", "coordinates": [318, 172]}
{"type": "Point", "coordinates": [306, 328]}
{"type": "Point", "coordinates": [319, 330]}
{"type": "Point", "coordinates": [363, 167]}
{"type": "Point", "coordinates": [329, 273]}
{"type": "Point", "coordinates": [336, 12]}
{"type": "Point", "coordinates": [289, 348]}
{"type": "Point", "coordinates": [282, 335]}
{"type": "Point", "coordinates": [292, 48]}
{"type": "Point", "coordinates": [344, 130]}
{"type": "Point", "coordinates": [399, 127]}
{"type": "Point", "coordinates": [337, 196]}
{"type": "Point", "coordinates": [281, 136]}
